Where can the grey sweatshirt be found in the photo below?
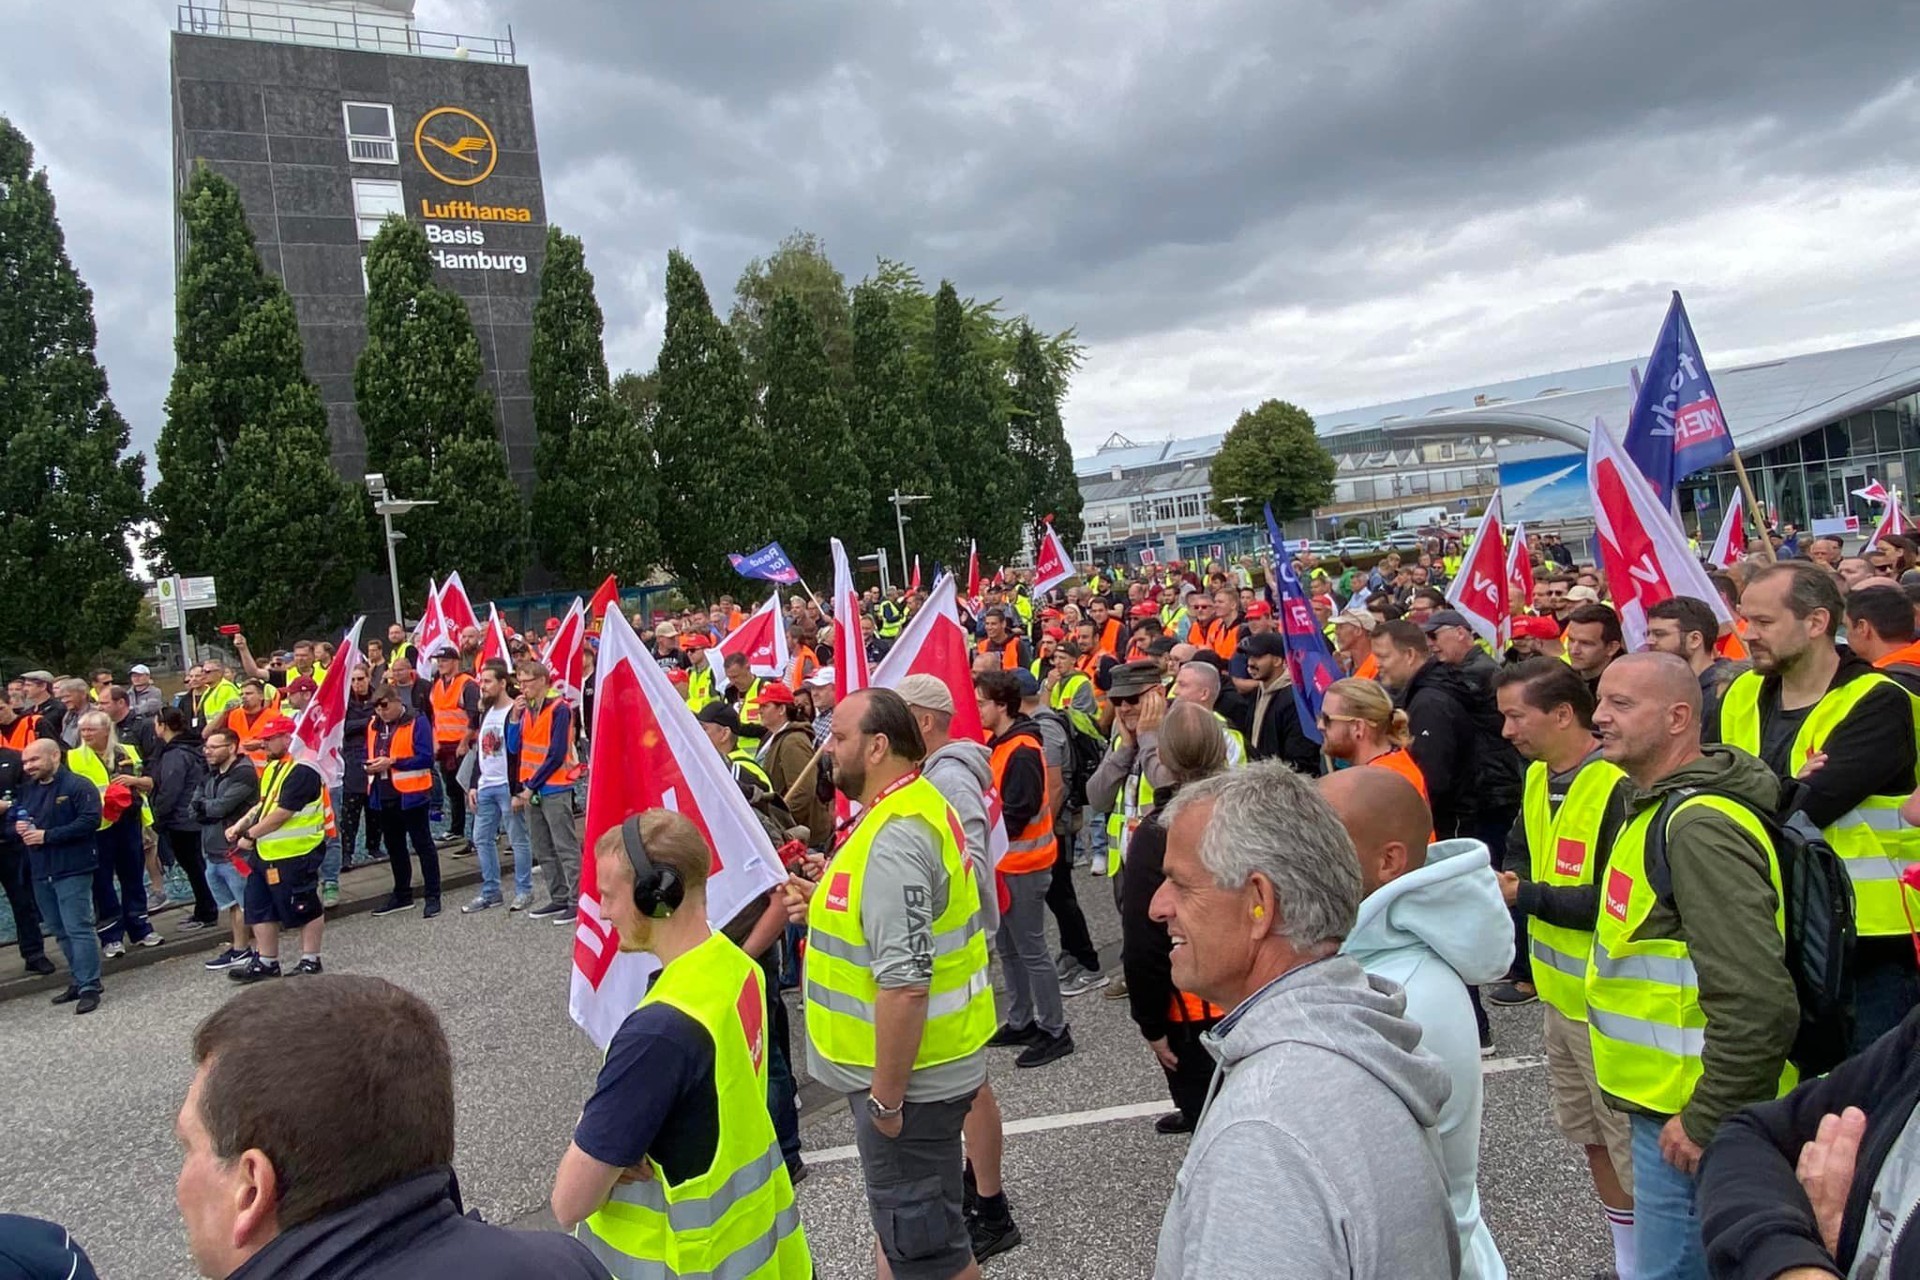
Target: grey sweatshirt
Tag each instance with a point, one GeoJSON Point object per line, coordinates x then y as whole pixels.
{"type": "Point", "coordinates": [1317, 1154]}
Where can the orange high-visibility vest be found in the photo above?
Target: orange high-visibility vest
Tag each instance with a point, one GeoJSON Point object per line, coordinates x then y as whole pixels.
{"type": "Point", "coordinates": [1191, 1008]}
{"type": "Point", "coordinates": [246, 728]}
{"type": "Point", "coordinates": [22, 731]}
{"type": "Point", "coordinates": [536, 733]}
{"type": "Point", "coordinates": [1032, 848]}
{"type": "Point", "coordinates": [1109, 641]}
{"type": "Point", "coordinates": [399, 747]}
{"type": "Point", "coordinates": [450, 722]}
{"type": "Point", "coordinates": [805, 663]}
{"type": "Point", "coordinates": [1224, 638]}
{"type": "Point", "coordinates": [1009, 653]}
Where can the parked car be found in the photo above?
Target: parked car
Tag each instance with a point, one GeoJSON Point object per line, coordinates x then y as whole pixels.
{"type": "Point", "coordinates": [1321, 548]}
{"type": "Point", "coordinates": [1352, 547]}
{"type": "Point", "coordinates": [1403, 540]}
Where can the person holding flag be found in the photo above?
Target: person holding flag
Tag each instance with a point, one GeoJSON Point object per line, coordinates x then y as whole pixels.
{"type": "Point", "coordinates": [674, 1168]}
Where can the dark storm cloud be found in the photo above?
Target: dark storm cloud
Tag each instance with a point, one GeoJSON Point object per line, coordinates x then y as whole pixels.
{"type": "Point", "coordinates": [1128, 169]}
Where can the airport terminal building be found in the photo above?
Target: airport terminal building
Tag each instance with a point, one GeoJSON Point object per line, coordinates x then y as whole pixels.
{"type": "Point", "coordinates": [331, 115]}
{"type": "Point", "coordinates": [1811, 428]}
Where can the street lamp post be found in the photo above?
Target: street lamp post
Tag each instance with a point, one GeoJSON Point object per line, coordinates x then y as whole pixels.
{"type": "Point", "coordinates": [387, 506]}
{"type": "Point", "coordinates": [900, 501]}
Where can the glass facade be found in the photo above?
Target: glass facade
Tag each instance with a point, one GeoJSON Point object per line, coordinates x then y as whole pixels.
{"type": "Point", "coordinates": [1812, 477]}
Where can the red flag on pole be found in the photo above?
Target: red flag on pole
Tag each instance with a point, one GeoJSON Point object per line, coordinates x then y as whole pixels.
{"type": "Point", "coordinates": [935, 644]}
{"type": "Point", "coordinates": [651, 754]}
{"type": "Point", "coordinates": [913, 586]}
{"type": "Point", "coordinates": [318, 731]}
{"type": "Point", "coordinates": [455, 608]}
{"type": "Point", "coordinates": [849, 646]}
{"type": "Point", "coordinates": [1480, 591]}
{"type": "Point", "coordinates": [973, 572]}
{"type": "Point", "coordinates": [762, 638]}
{"type": "Point", "coordinates": [1731, 544]}
{"type": "Point", "coordinates": [493, 642]}
{"type": "Point", "coordinates": [566, 653]}
{"type": "Point", "coordinates": [607, 595]}
{"type": "Point", "coordinates": [1053, 565]}
{"type": "Point", "coordinates": [1892, 520]}
{"type": "Point", "coordinates": [1642, 547]}
{"type": "Point", "coordinates": [431, 633]}
{"type": "Point", "coordinates": [1519, 571]}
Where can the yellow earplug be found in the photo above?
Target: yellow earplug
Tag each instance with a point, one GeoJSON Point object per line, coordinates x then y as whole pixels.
{"type": "Point", "coordinates": [1259, 912]}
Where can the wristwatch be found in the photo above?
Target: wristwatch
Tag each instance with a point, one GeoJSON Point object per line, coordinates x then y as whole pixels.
{"type": "Point", "coordinates": [879, 1112]}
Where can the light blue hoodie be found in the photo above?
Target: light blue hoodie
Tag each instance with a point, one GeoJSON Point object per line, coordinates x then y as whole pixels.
{"type": "Point", "coordinates": [1436, 931]}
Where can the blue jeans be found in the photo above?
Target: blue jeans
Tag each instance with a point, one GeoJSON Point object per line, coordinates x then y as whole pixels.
{"type": "Point", "coordinates": [66, 905]}
{"type": "Point", "coordinates": [330, 862]}
{"type": "Point", "coordinates": [1666, 1219]}
{"type": "Point", "coordinates": [495, 808]}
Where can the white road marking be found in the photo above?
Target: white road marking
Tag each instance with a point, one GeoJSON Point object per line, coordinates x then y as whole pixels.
{"type": "Point", "coordinates": [1136, 1111]}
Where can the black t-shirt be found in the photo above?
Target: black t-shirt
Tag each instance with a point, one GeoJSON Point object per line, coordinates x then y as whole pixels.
{"type": "Point", "coordinates": [655, 1096]}
{"type": "Point", "coordinates": [302, 787]}
{"type": "Point", "coordinates": [1777, 734]}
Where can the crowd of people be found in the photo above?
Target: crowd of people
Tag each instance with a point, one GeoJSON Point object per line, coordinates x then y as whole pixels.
{"type": "Point", "coordinates": [1314, 910]}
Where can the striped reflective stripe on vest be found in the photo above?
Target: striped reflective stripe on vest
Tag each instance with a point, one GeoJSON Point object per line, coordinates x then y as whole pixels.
{"type": "Point", "coordinates": [1685, 1042]}
{"type": "Point", "coordinates": [1668, 971]}
{"type": "Point", "coordinates": [1553, 958]}
{"type": "Point", "coordinates": [738, 1265]}
{"type": "Point", "coordinates": [939, 1004]}
{"type": "Point", "coordinates": [700, 1213]}
{"type": "Point", "coordinates": [944, 943]}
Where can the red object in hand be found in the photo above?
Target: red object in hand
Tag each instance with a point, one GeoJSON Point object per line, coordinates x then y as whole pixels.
{"type": "Point", "coordinates": [230, 629]}
{"type": "Point", "coordinates": [793, 856]}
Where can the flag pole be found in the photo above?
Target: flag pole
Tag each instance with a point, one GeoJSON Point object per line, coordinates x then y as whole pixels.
{"type": "Point", "coordinates": [793, 792]}
{"type": "Point", "coordinates": [1753, 505]}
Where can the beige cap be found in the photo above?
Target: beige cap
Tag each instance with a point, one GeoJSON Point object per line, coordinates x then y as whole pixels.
{"type": "Point", "coordinates": [929, 693]}
{"type": "Point", "coordinates": [1360, 618]}
{"type": "Point", "coordinates": [1584, 594]}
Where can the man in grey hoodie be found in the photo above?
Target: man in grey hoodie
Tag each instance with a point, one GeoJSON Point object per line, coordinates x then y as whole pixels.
{"type": "Point", "coordinates": [1432, 921]}
{"type": "Point", "coordinates": [1262, 884]}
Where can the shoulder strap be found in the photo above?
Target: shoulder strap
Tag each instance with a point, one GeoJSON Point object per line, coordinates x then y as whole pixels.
{"type": "Point", "coordinates": [1659, 868]}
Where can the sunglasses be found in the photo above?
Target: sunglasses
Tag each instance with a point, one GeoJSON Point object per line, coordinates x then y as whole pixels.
{"type": "Point", "coordinates": [1127, 702]}
{"type": "Point", "coordinates": [383, 704]}
{"type": "Point", "coordinates": [1326, 720]}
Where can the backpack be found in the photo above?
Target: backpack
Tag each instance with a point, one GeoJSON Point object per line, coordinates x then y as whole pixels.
{"type": "Point", "coordinates": [1084, 753]}
{"type": "Point", "coordinates": [1818, 897]}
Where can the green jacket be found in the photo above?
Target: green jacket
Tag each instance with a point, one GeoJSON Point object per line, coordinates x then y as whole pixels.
{"type": "Point", "coordinates": [1722, 907]}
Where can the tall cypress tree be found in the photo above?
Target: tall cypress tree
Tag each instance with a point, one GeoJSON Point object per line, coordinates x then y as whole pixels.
{"type": "Point", "coordinates": [246, 492]}
{"type": "Point", "coordinates": [567, 372]}
{"type": "Point", "coordinates": [888, 419]}
{"type": "Point", "coordinates": [430, 424]}
{"type": "Point", "coordinates": [613, 452]}
{"type": "Point", "coordinates": [68, 495]}
{"type": "Point", "coordinates": [983, 497]}
{"type": "Point", "coordinates": [706, 438]}
{"type": "Point", "coordinates": [1038, 440]}
{"type": "Point", "coordinates": [820, 467]}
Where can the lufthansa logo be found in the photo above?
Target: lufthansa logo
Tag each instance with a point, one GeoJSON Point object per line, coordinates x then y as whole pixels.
{"type": "Point", "coordinates": [455, 146]}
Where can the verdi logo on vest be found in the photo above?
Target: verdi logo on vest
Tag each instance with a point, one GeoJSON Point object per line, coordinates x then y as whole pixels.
{"type": "Point", "coordinates": [1619, 889]}
{"type": "Point", "coordinates": [837, 890]}
{"type": "Point", "coordinates": [1569, 857]}
{"type": "Point", "coordinates": [753, 1019]}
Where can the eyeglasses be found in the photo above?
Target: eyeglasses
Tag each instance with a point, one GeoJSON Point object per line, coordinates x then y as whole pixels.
{"type": "Point", "coordinates": [1326, 720]}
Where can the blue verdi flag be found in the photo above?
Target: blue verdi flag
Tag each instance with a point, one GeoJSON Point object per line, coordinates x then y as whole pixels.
{"type": "Point", "coordinates": [769, 564]}
{"type": "Point", "coordinates": [1310, 663]}
{"type": "Point", "coordinates": [1677, 427]}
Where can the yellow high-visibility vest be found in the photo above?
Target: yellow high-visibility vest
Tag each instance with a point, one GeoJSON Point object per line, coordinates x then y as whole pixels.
{"type": "Point", "coordinates": [1562, 846]}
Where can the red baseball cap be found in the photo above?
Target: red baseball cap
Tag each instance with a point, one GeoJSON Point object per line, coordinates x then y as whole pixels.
{"type": "Point", "coordinates": [776, 691]}
{"type": "Point", "coordinates": [1537, 628]}
{"type": "Point", "coordinates": [695, 640]}
{"type": "Point", "coordinates": [553, 624]}
{"type": "Point", "coordinates": [1143, 611]}
{"type": "Point", "coordinates": [275, 726]}
{"type": "Point", "coordinates": [1055, 633]}
{"type": "Point", "coordinates": [1259, 609]}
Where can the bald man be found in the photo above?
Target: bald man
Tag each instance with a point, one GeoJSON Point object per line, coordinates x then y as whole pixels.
{"type": "Point", "coordinates": [1687, 948]}
{"type": "Point", "coordinates": [1434, 922]}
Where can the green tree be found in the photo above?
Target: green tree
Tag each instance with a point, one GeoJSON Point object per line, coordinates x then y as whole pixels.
{"type": "Point", "coordinates": [887, 416]}
{"type": "Point", "coordinates": [567, 372]}
{"type": "Point", "coordinates": [246, 490]}
{"type": "Point", "coordinates": [800, 267]}
{"type": "Point", "coordinates": [430, 424]}
{"type": "Point", "coordinates": [982, 496]}
{"type": "Point", "coordinates": [821, 469]}
{"type": "Point", "coordinates": [613, 451]}
{"type": "Point", "coordinates": [1271, 455]}
{"type": "Point", "coordinates": [1038, 440]}
{"type": "Point", "coordinates": [68, 495]}
{"type": "Point", "coordinates": [706, 438]}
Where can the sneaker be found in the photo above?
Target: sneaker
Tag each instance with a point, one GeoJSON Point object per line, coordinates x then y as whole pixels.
{"type": "Point", "coordinates": [1064, 967]}
{"type": "Point", "coordinates": [1010, 1037]}
{"type": "Point", "coordinates": [190, 925]}
{"type": "Point", "coordinates": [66, 997]}
{"type": "Point", "coordinates": [231, 958]}
{"type": "Point", "coordinates": [329, 895]}
{"type": "Point", "coordinates": [308, 964]}
{"type": "Point", "coordinates": [393, 906]}
{"type": "Point", "coordinates": [1046, 1049]}
{"type": "Point", "coordinates": [152, 940]}
{"type": "Point", "coordinates": [1083, 981]}
{"type": "Point", "coordinates": [1117, 989]}
{"type": "Point", "coordinates": [113, 951]}
{"type": "Point", "coordinates": [549, 911]}
{"type": "Point", "coordinates": [1173, 1122]}
{"type": "Point", "coordinates": [480, 903]}
{"type": "Point", "coordinates": [567, 918]}
{"type": "Point", "coordinates": [521, 901]}
{"type": "Point", "coordinates": [797, 1171]}
{"type": "Point", "coordinates": [156, 899]}
{"type": "Point", "coordinates": [1508, 994]}
{"type": "Point", "coordinates": [256, 970]}
{"type": "Point", "coordinates": [431, 910]}
{"type": "Point", "coordinates": [992, 1236]}
{"type": "Point", "coordinates": [1099, 864]}
{"type": "Point", "coordinates": [460, 848]}
{"type": "Point", "coordinates": [87, 1003]}
{"type": "Point", "coordinates": [441, 842]}
{"type": "Point", "coordinates": [1486, 1044]}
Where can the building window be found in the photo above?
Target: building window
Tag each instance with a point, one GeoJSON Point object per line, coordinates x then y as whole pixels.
{"type": "Point", "coordinates": [1190, 506]}
{"type": "Point", "coordinates": [374, 201]}
{"type": "Point", "coordinates": [370, 137]}
{"type": "Point", "coordinates": [1163, 508]}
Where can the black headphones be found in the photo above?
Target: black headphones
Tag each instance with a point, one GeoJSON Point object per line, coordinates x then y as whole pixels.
{"type": "Point", "coordinates": [657, 890]}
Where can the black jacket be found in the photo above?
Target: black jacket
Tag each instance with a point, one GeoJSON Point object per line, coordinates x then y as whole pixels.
{"type": "Point", "coordinates": [1145, 949]}
{"type": "Point", "coordinates": [176, 772]}
{"type": "Point", "coordinates": [13, 776]}
{"type": "Point", "coordinates": [1754, 1216]}
{"type": "Point", "coordinates": [1497, 768]}
{"type": "Point", "coordinates": [1439, 702]}
{"type": "Point", "coordinates": [1281, 735]}
{"type": "Point", "coordinates": [416, 1230]}
{"type": "Point", "coordinates": [219, 799]}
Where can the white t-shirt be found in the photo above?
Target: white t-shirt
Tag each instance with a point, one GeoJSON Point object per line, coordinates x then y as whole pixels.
{"type": "Point", "coordinates": [493, 747]}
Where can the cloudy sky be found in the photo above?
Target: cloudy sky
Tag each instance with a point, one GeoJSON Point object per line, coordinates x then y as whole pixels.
{"type": "Point", "coordinates": [1341, 202]}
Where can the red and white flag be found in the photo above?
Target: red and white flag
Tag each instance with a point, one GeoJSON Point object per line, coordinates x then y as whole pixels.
{"type": "Point", "coordinates": [849, 645]}
{"type": "Point", "coordinates": [1482, 590]}
{"type": "Point", "coordinates": [762, 638]}
{"type": "Point", "coordinates": [1875, 492]}
{"type": "Point", "coordinates": [1642, 547]}
{"type": "Point", "coordinates": [934, 643]}
{"type": "Point", "coordinates": [431, 634]}
{"type": "Point", "coordinates": [1731, 546]}
{"type": "Point", "coordinates": [1519, 571]}
{"type": "Point", "coordinates": [1149, 557]}
{"type": "Point", "coordinates": [318, 730]}
{"type": "Point", "coordinates": [567, 652]}
{"type": "Point", "coordinates": [1892, 520]}
{"type": "Point", "coordinates": [493, 641]}
{"type": "Point", "coordinates": [456, 609]}
{"type": "Point", "coordinates": [973, 571]}
{"type": "Point", "coordinates": [607, 595]}
{"type": "Point", "coordinates": [913, 584]}
{"type": "Point", "coordinates": [650, 753]}
{"type": "Point", "coordinates": [1053, 565]}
